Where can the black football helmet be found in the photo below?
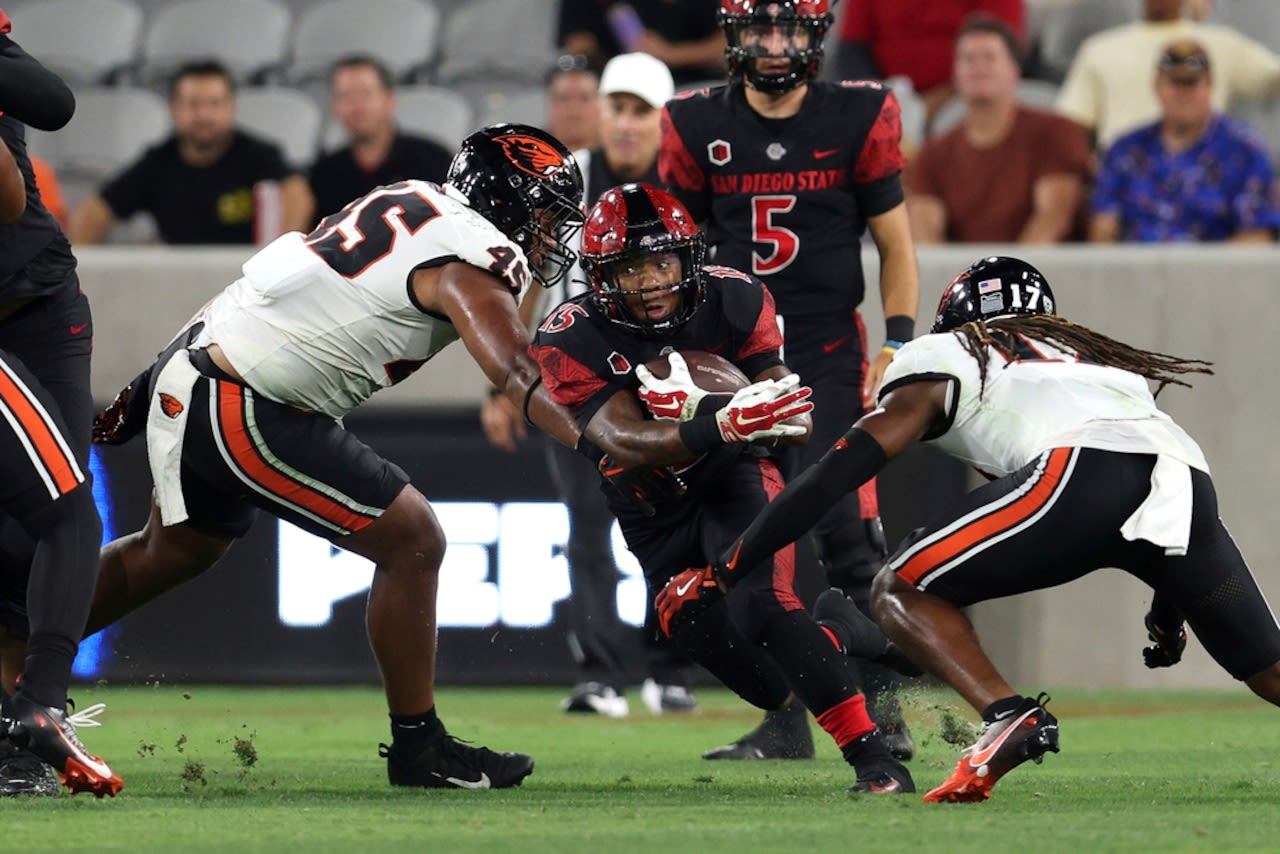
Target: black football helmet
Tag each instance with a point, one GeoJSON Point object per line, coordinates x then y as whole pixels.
{"type": "Point", "coordinates": [525, 182]}
{"type": "Point", "coordinates": [631, 223]}
{"type": "Point", "coordinates": [991, 287]}
{"type": "Point", "coordinates": [803, 23]}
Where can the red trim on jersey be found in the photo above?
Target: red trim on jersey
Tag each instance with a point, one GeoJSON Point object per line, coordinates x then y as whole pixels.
{"type": "Point", "coordinates": [868, 492]}
{"type": "Point", "coordinates": [847, 721]}
{"type": "Point", "coordinates": [676, 166]}
{"type": "Point", "coordinates": [570, 382]}
{"type": "Point", "coordinates": [239, 443]}
{"type": "Point", "coordinates": [992, 524]}
{"type": "Point", "coordinates": [6, 26]}
{"type": "Point", "coordinates": [784, 560]}
{"type": "Point", "coordinates": [765, 337]}
{"type": "Point", "coordinates": [881, 154]}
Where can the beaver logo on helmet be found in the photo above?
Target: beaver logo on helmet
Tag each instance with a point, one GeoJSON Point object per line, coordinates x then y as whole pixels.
{"type": "Point", "coordinates": [530, 154]}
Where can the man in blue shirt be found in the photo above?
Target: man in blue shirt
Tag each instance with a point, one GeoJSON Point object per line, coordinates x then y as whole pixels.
{"type": "Point", "coordinates": [1192, 176]}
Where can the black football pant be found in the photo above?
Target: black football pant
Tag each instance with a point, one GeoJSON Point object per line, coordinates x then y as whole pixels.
{"type": "Point", "coordinates": [50, 532]}
{"type": "Point", "coordinates": [828, 352]}
{"type": "Point", "coordinates": [758, 640]}
{"type": "Point", "coordinates": [598, 639]}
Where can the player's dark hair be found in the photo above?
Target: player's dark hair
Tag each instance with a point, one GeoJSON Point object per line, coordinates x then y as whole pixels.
{"type": "Point", "coordinates": [201, 68]}
{"type": "Point", "coordinates": [360, 60]}
{"type": "Point", "coordinates": [1001, 333]}
{"type": "Point", "coordinates": [982, 22]}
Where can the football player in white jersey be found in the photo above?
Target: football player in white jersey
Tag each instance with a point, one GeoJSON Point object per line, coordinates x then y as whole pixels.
{"type": "Point", "coordinates": [1086, 472]}
{"type": "Point", "coordinates": [242, 409]}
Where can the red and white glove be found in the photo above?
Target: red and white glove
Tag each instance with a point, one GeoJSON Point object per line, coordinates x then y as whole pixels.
{"type": "Point", "coordinates": [685, 594]}
{"type": "Point", "coordinates": [676, 398]}
{"type": "Point", "coordinates": [760, 410]}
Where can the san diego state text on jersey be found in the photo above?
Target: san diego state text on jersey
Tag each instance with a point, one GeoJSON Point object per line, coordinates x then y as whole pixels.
{"type": "Point", "coordinates": [788, 199]}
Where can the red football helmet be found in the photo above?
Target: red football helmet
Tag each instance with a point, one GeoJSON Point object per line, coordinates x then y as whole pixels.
{"type": "Point", "coordinates": [629, 224]}
{"type": "Point", "coordinates": [751, 25]}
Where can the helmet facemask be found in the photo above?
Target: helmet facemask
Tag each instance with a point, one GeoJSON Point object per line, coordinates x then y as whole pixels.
{"type": "Point", "coordinates": [620, 283]}
{"type": "Point", "coordinates": [769, 33]}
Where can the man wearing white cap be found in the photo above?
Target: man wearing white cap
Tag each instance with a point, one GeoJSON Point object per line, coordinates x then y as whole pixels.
{"type": "Point", "coordinates": [633, 89]}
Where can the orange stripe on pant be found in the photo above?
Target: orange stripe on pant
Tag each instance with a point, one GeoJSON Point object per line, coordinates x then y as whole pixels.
{"type": "Point", "coordinates": [235, 434]}
{"type": "Point", "coordinates": [996, 522]}
{"type": "Point", "coordinates": [40, 433]}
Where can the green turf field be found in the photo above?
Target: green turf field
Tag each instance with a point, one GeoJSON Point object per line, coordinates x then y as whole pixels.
{"type": "Point", "coordinates": [274, 769]}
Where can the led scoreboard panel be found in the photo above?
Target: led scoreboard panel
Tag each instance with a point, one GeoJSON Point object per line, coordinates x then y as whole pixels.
{"type": "Point", "coordinates": [286, 606]}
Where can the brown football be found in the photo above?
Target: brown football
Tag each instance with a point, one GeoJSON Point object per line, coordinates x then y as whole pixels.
{"type": "Point", "coordinates": [708, 371]}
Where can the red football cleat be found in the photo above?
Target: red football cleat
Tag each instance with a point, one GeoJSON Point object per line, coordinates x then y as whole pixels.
{"type": "Point", "coordinates": [50, 734]}
{"type": "Point", "coordinates": [1028, 732]}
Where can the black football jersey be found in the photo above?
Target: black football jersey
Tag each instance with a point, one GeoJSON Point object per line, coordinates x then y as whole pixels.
{"type": "Point", "coordinates": [35, 257]}
{"type": "Point", "coordinates": [586, 358]}
{"type": "Point", "coordinates": [788, 199]}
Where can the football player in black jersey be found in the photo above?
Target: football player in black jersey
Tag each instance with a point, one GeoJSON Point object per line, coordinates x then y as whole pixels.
{"type": "Point", "coordinates": [682, 482]}
{"type": "Point", "coordinates": [49, 544]}
{"type": "Point", "coordinates": [788, 174]}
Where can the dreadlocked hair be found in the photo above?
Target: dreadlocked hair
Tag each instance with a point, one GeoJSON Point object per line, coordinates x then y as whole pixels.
{"type": "Point", "coordinates": [1002, 333]}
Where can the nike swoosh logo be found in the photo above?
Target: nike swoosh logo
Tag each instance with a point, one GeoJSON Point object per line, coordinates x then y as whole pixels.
{"type": "Point", "coordinates": [835, 345]}
{"type": "Point", "coordinates": [76, 330]}
{"type": "Point", "coordinates": [682, 589]}
{"type": "Point", "coordinates": [482, 783]}
{"type": "Point", "coordinates": [977, 760]}
{"type": "Point", "coordinates": [823, 153]}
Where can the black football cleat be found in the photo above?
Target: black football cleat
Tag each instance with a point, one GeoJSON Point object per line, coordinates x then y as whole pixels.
{"type": "Point", "coordinates": [448, 763]}
{"type": "Point", "coordinates": [22, 773]}
{"type": "Point", "coordinates": [783, 734]}
{"type": "Point", "coordinates": [884, 777]}
{"type": "Point", "coordinates": [50, 734]}
{"type": "Point", "coordinates": [1027, 732]}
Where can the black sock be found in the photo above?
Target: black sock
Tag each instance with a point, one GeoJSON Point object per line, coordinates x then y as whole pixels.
{"type": "Point", "coordinates": [1002, 708]}
{"type": "Point", "coordinates": [416, 729]}
{"type": "Point", "coordinates": [867, 748]}
{"type": "Point", "coordinates": [47, 669]}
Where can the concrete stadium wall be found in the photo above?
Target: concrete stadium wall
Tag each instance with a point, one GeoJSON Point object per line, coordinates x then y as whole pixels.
{"type": "Point", "coordinates": [1213, 303]}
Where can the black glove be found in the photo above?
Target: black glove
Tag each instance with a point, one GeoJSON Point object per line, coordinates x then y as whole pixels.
{"type": "Point", "coordinates": [126, 417]}
{"type": "Point", "coordinates": [642, 486]}
{"type": "Point", "coordinates": [1169, 645]}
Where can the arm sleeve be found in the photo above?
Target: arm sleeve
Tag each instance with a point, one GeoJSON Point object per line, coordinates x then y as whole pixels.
{"type": "Point", "coordinates": [762, 341]}
{"type": "Point", "coordinates": [31, 93]}
{"type": "Point", "coordinates": [881, 154]}
{"type": "Point", "coordinates": [570, 383]}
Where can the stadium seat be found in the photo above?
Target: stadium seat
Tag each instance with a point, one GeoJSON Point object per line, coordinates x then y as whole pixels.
{"type": "Point", "coordinates": [287, 117]}
{"type": "Point", "coordinates": [1066, 28]}
{"type": "Point", "coordinates": [508, 104]}
{"type": "Point", "coordinates": [85, 41]}
{"type": "Point", "coordinates": [248, 36]}
{"type": "Point", "coordinates": [441, 115]}
{"type": "Point", "coordinates": [499, 40]}
{"type": "Point", "coordinates": [111, 128]}
{"type": "Point", "coordinates": [1257, 19]}
{"type": "Point", "coordinates": [403, 34]}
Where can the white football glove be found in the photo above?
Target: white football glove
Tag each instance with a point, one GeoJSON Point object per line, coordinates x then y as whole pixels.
{"type": "Point", "coordinates": [760, 411]}
{"type": "Point", "coordinates": [676, 398]}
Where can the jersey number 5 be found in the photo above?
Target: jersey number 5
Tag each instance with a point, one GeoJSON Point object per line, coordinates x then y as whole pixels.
{"type": "Point", "coordinates": [364, 232]}
{"type": "Point", "coordinates": [784, 243]}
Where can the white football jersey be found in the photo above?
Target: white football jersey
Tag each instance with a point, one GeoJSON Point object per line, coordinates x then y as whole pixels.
{"type": "Point", "coordinates": [1034, 404]}
{"type": "Point", "coordinates": [322, 321]}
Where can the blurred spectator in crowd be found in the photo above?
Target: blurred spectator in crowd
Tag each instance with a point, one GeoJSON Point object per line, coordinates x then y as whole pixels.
{"type": "Point", "coordinates": [1007, 173]}
{"type": "Point", "coordinates": [363, 100]}
{"type": "Point", "coordinates": [681, 33]}
{"type": "Point", "coordinates": [915, 39]}
{"type": "Point", "coordinates": [1193, 175]}
{"type": "Point", "coordinates": [633, 89]}
{"type": "Point", "coordinates": [50, 190]}
{"type": "Point", "coordinates": [208, 182]}
{"type": "Point", "coordinates": [573, 102]}
{"type": "Point", "coordinates": [1108, 87]}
